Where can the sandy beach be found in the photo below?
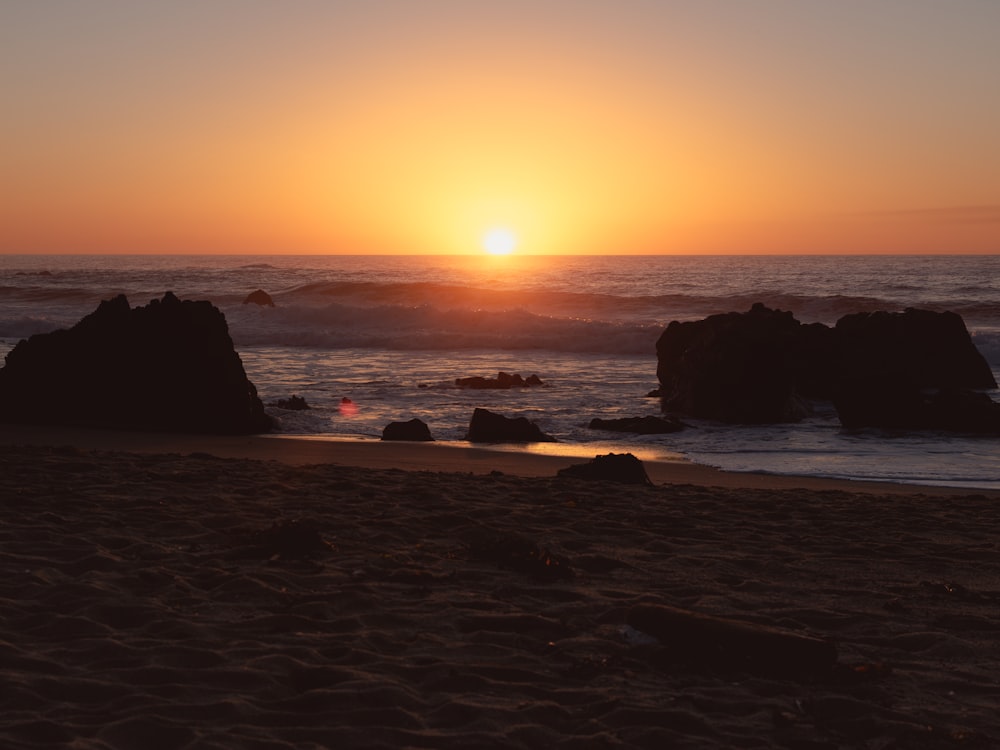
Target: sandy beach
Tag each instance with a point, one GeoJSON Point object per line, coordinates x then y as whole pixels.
{"type": "Point", "coordinates": [174, 592]}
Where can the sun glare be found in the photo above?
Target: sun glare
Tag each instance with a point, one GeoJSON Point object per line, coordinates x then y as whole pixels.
{"type": "Point", "coordinates": [499, 241]}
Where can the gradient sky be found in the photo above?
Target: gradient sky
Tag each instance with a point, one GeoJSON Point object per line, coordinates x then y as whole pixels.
{"type": "Point", "coordinates": [397, 126]}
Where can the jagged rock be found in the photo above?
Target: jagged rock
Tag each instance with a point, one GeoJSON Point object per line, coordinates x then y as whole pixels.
{"type": "Point", "coordinates": [754, 367]}
{"type": "Point", "coordinates": [623, 468]}
{"type": "Point", "coordinates": [915, 369]}
{"type": "Point", "coordinates": [293, 403]}
{"type": "Point", "coordinates": [259, 297]}
{"type": "Point", "coordinates": [912, 370]}
{"type": "Point", "coordinates": [501, 381]}
{"type": "Point", "coordinates": [168, 366]}
{"type": "Point", "coordinates": [488, 427]}
{"type": "Point", "coordinates": [415, 430]}
{"type": "Point", "coordinates": [649, 425]}
{"type": "Point", "coordinates": [912, 348]}
{"type": "Point", "coordinates": [884, 405]}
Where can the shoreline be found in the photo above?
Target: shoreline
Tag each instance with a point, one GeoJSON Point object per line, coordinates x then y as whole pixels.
{"type": "Point", "coordinates": [305, 450]}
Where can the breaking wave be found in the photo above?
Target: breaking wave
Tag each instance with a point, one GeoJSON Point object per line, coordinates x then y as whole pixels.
{"type": "Point", "coordinates": [402, 328]}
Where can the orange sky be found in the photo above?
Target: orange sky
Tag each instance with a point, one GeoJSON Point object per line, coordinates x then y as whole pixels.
{"type": "Point", "coordinates": [394, 126]}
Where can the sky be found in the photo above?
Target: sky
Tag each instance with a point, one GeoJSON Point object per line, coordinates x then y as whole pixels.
{"type": "Point", "coordinates": [575, 126]}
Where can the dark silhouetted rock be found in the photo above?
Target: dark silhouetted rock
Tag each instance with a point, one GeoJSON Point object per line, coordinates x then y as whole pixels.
{"type": "Point", "coordinates": [913, 370]}
{"type": "Point", "coordinates": [755, 367]}
{"type": "Point", "coordinates": [488, 427]}
{"type": "Point", "coordinates": [259, 297]}
{"type": "Point", "coordinates": [623, 468]}
{"type": "Point", "coordinates": [885, 405]}
{"type": "Point", "coordinates": [294, 403]}
{"type": "Point", "coordinates": [414, 430]}
{"type": "Point", "coordinates": [649, 425]}
{"type": "Point", "coordinates": [914, 348]}
{"type": "Point", "coordinates": [502, 380]}
{"type": "Point", "coordinates": [168, 366]}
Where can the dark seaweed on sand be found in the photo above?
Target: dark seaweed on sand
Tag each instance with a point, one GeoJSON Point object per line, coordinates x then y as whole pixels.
{"type": "Point", "coordinates": [288, 539]}
{"type": "Point", "coordinates": [511, 551]}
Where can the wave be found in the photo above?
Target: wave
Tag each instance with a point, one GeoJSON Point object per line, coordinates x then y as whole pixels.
{"type": "Point", "coordinates": [21, 327]}
{"type": "Point", "coordinates": [573, 311]}
{"type": "Point", "coordinates": [988, 344]}
{"type": "Point", "coordinates": [809, 307]}
{"type": "Point", "coordinates": [401, 328]}
{"type": "Point", "coordinates": [440, 317]}
{"type": "Point", "coordinates": [47, 294]}
{"type": "Point", "coordinates": [661, 308]}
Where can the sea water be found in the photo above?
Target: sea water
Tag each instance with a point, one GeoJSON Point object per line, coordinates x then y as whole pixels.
{"type": "Point", "coordinates": [391, 334]}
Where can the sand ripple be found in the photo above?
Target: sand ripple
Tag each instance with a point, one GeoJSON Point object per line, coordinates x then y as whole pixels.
{"type": "Point", "coordinates": [156, 602]}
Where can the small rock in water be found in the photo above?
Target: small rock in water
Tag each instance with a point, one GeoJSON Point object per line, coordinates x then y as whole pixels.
{"type": "Point", "coordinates": [503, 380]}
{"type": "Point", "coordinates": [295, 403]}
{"type": "Point", "coordinates": [259, 297]}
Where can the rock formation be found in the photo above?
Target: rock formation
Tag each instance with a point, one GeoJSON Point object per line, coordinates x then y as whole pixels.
{"type": "Point", "coordinates": [753, 367]}
{"type": "Point", "coordinates": [501, 381]}
{"type": "Point", "coordinates": [488, 427]}
{"type": "Point", "coordinates": [293, 403]}
{"type": "Point", "coordinates": [914, 369]}
{"type": "Point", "coordinates": [168, 366]}
{"type": "Point", "coordinates": [259, 297]}
{"type": "Point", "coordinates": [623, 468]}
{"type": "Point", "coordinates": [415, 430]}
{"type": "Point", "coordinates": [911, 370]}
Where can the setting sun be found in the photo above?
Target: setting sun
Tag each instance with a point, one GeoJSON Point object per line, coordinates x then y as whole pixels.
{"type": "Point", "coordinates": [498, 129]}
{"type": "Point", "coordinates": [499, 241]}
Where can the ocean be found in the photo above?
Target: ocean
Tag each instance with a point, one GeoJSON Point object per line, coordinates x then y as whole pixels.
{"type": "Point", "coordinates": [391, 334]}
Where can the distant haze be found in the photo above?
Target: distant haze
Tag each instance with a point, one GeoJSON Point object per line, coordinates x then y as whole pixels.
{"type": "Point", "coordinates": [397, 126]}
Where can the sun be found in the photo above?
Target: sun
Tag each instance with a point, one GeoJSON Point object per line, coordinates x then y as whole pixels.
{"type": "Point", "coordinates": [499, 241]}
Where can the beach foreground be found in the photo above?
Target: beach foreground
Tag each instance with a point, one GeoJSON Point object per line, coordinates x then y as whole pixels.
{"type": "Point", "coordinates": [193, 595]}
